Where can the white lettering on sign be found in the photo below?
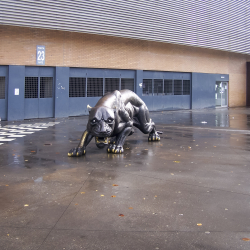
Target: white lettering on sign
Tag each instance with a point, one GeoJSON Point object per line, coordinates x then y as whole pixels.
{"type": "Point", "coordinates": [16, 92]}
{"type": "Point", "coordinates": [40, 55]}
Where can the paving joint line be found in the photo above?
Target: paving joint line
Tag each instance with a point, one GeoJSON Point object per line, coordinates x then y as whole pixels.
{"type": "Point", "coordinates": [66, 209]}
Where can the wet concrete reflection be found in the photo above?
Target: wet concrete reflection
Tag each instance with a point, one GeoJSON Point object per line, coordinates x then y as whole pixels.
{"type": "Point", "coordinates": [195, 180]}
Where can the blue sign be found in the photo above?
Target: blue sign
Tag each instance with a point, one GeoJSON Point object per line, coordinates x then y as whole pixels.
{"type": "Point", "coordinates": [40, 55]}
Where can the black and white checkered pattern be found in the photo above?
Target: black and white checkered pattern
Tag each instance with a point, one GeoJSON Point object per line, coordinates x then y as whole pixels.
{"type": "Point", "coordinates": [11, 132]}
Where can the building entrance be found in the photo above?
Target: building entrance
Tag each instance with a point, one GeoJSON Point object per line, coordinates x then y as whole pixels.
{"type": "Point", "coordinates": [38, 101]}
{"type": "Point", "coordinates": [221, 94]}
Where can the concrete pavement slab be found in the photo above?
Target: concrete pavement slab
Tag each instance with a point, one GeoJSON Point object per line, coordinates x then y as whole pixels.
{"type": "Point", "coordinates": [188, 191]}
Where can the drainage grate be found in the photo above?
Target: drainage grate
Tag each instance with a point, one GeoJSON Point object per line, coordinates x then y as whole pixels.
{"type": "Point", "coordinates": [94, 87]}
{"type": "Point", "coordinates": [111, 84]}
{"type": "Point", "coordinates": [77, 87]}
{"type": "Point", "coordinates": [46, 87]}
{"type": "Point", "coordinates": [2, 87]}
{"type": "Point", "coordinates": [31, 87]}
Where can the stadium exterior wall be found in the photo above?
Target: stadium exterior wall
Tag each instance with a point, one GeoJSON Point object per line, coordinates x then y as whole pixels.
{"type": "Point", "coordinates": [71, 49]}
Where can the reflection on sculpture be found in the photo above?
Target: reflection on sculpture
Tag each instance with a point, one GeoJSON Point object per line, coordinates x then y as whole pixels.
{"type": "Point", "coordinates": [112, 120]}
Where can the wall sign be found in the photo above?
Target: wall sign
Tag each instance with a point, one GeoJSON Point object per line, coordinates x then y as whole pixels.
{"type": "Point", "coordinates": [16, 92]}
{"type": "Point", "coordinates": [40, 55]}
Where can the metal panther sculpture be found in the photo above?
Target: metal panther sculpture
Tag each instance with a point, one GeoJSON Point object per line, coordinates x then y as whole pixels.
{"type": "Point", "coordinates": [112, 120]}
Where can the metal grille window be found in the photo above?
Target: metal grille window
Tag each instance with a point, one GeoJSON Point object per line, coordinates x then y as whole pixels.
{"type": "Point", "coordinates": [168, 87]}
{"type": "Point", "coordinates": [31, 87]}
{"type": "Point", "coordinates": [127, 83]}
{"type": "Point", "coordinates": [158, 87]}
{"type": "Point", "coordinates": [2, 87]}
{"type": "Point", "coordinates": [147, 87]}
{"type": "Point", "coordinates": [186, 87]}
{"type": "Point", "coordinates": [94, 87]}
{"type": "Point", "coordinates": [77, 87]}
{"type": "Point", "coordinates": [177, 87]}
{"type": "Point", "coordinates": [111, 84]}
{"type": "Point", "coordinates": [46, 87]}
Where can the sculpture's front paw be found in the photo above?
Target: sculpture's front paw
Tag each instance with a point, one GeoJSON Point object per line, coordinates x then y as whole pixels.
{"type": "Point", "coordinates": [154, 137]}
{"type": "Point", "coordinates": [77, 152]}
{"type": "Point", "coordinates": [115, 149]}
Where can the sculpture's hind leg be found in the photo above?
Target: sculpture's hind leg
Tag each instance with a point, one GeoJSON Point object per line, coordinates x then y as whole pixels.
{"type": "Point", "coordinates": [142, 122]}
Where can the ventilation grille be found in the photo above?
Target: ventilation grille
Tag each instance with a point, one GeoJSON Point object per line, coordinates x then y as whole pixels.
{"type": "Point", "coordinates": [77, 87]}
{"type": "Point", "coordinates": [186, 87]}
{"type": "Point", "coordinates": [168, 87]}
{"type": "Point", "coordinates": [94, 87]}
{"type": "Point", "coordinates": [147, 87]}
{"type": "Point", "coordinates": [111, 84]}
{"type": "Point", "coordinates": [128, 83]}
{"type": "Point", "coordinates": [158, 87]}
{"type": "Point", "coordinates": [177, 87]}
{"type": "Point", "coordinates": [46, 87]}
{"type": "Point", "coordinates": [2, 87]}
{"type": "Point", "coordinates": [31, 87]}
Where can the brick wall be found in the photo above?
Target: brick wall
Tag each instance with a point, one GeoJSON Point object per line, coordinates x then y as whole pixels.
{"type": "Point", "coordinates": [18, 47]}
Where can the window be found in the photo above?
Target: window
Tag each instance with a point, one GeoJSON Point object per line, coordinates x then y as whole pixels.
{"type": "Point", "coordinates": [147, 87]}
{"type": "Point", "coordinates": [158, 87]}
{"type": "Point", "coordinates": [77, 87]}
{"type": "Point", "coordinates": [127, 83]}
{"type": "Point", "coordinates": [94, 87]}
{"type": "Point", "coordinates": [186, 87]}
{"type": "Point", "coordinates": [168, 87]}
{"type": "Point", "coordinates": [46, 87]}
{"type": "Point", "coordinates": [2, 87]}
{"type": "Point", "coordinates": [177, 87]}
{"type": "Point", "coordinates": [31, 87]}
{"type": "Point", "coordinates": [111, 84]}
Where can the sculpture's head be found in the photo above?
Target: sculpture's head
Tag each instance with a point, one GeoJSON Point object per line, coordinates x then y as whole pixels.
{"type": "Point", "coordinates": [101, 124]}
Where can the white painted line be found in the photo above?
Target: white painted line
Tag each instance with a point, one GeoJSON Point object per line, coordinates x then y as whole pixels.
{"type": "Point", "coordinates": [5, 133]}
{"type": "Point", "coordinates": [23, 132]}
{"type": "Point", "coordinates": [14, 135]}
{"type": "Point", "coordinates": [24, 125]}
{"type": "Point", "coordinates": [5, 139]}
{"type": "Point", "coordinates": [24, 128]}
{"type": "Point", "coordinates": [33, 129]}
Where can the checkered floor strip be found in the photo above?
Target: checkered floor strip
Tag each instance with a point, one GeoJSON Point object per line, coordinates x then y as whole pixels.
{"type": "Point", "coordinates": [12, 132]}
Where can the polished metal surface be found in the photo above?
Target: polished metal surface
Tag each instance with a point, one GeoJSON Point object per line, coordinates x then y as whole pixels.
{"type": "Point", "coordinates": [190, 190]}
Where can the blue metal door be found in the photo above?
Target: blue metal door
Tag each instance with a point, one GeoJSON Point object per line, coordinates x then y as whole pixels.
{"type": "Point", "coordinates": [45, 100]}
{"type": "Point", "coordinates": [3, 98]}
{"type": "Point", "coordinates": [39, 101]}
{"type": "Point", "coordinates": [3, 92]}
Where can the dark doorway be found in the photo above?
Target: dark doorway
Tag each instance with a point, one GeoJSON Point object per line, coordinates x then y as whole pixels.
{"type": "Point", "coordinates": [248, 85]}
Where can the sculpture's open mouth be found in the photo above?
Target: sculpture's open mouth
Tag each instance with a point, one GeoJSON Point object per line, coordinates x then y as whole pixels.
{"type": "Point", "coordinates": [101, 142]}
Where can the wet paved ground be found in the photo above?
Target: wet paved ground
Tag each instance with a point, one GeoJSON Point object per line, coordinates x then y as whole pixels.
{"type": "Point", "coordinates": [191, 190]}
